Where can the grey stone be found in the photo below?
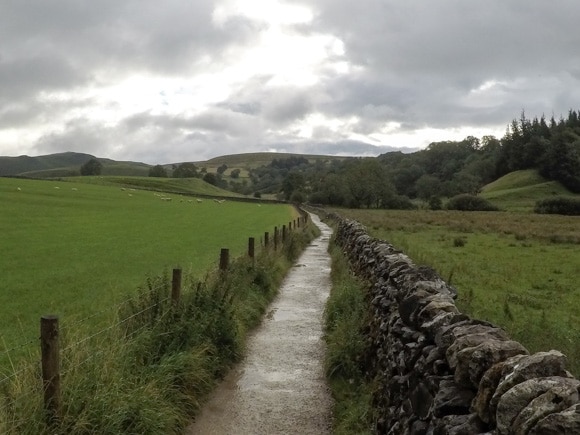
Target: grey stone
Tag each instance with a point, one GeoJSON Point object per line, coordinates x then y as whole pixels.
{"type": "Point", "coordinates": [537, 365]}
{"type": "Point", "coordinates": [467, 340]}
{"type": "Point", "coordinates": [516, 399]}
{"type": "Point", "coordinates": [564, 422]}
{"type": "Point", "coordinates": [472, 362]}
{"type": "Point", "coordinates": [452, 399]}
{"type": "Point", "coordinates": [488, 385]}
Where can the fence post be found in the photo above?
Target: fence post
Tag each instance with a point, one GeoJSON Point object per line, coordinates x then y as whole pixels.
{"type": "Point", "coordinates": [275, 238]}
{"type": "Point", "coordinates": [176, 286]}
{"type": "Point", "coordinates": [251, 243]}
{"type": "Point", "coordinates": [224, 259]}
{"type": "Point", "coordinates": [49, 346]}
{"type": "Point", "coordinates": [283, 233]}
{"type": "Point", "coordinates": [266, 239]}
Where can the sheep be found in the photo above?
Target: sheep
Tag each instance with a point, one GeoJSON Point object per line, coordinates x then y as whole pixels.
{"type": "Point", "coordinates": [74, 188]}
{"type": "Point", "coordinates": [199, 200]}
{"type": "Point", "coordinates": [166, 199]}
{"type": "Point", "coordinates": [18, 189]}
{"type": "Point", "coordinates": [56, 187]}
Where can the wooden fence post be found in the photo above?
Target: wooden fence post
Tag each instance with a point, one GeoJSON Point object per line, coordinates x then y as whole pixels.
{"type": "Point", "coordinates": [224, 259]}
{"type": "Point", "coordinates": [251, 243]}
{"type": "Point", "coordinates": [49, 346]}
{"type": "Point", "coordinates": [176, 286]}
{"type": "Point", "coordinates": [266, 239]}
{"type": "Point", "coordinates": [275, 238]}
{"type": "Point", "coordinates": [283, 233]}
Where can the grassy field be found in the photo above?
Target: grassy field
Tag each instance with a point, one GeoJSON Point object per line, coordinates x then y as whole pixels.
{"type": "Point", "coordinates": [520, 190]}
{"type": "Point", "coordinates": [185, 186]}
{"type": "Point", "coordinates": [519, 271]}
{"type": "Point", "coordinates": [72, 248]}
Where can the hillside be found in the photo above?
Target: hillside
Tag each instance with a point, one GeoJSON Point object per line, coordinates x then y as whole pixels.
{"type": "Point", "coordinates": [25, 164]}
{"type": "Point", "coordinates": [519, 190]}
{"type": "Point", "coordinates": [191, 186]}
{"type": "Point", "coordinates": [65, 165]}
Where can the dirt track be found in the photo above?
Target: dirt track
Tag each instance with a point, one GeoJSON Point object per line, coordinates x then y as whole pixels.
{"type": "Point", "coordinates": [280, 387]}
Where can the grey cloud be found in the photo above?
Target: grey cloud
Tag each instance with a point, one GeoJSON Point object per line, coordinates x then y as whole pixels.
{"type": "Point", "coordinates": [415, 63]}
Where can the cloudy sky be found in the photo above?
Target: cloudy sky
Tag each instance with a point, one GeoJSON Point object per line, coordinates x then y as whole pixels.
{"type": "Point", "coordinates": [187, 80]}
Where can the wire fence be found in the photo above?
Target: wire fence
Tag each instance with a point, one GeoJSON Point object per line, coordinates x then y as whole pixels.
{"type": "Point", "coordinates": [29, 379]}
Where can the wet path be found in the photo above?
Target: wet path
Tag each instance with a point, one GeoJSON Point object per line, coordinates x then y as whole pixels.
{"type": "Point", "coordinates": [280, 387]}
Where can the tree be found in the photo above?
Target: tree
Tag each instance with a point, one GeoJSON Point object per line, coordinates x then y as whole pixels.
{"type": "Point", "coordinates": [294, 181]}
{"type": "Point", "coordinates": [92, 167]}
{"type": "Point", "coordinates": [211, 178]}
{"type": "Point", "coordinates": [222, 168]}
{"type": "Point", "coordinates": [427, 186]}
{"type": "Point", "coordinates": [185, 170]}
{"type": "Point", "coordinates": [158, 171]}
{"type": "Point", "coordinates": [235, 173]}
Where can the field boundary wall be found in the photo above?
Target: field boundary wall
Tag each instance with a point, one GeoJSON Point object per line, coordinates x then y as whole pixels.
{"type": "Point", "coordinates": [438, 371]}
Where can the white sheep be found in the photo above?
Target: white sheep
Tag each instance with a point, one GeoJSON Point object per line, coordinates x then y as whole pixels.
{"type": "Point", "coordinates": [18, 189]}
{"type": "Point", "coordinates": [74, 188]}
{"type": "Point", "coordinates": [199, 200]}
{"type": "Point", "coordinates": [56, 187]}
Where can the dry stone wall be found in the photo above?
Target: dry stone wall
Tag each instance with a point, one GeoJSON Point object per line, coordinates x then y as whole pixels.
{"type": "Point", "coordinates": [438, 371]}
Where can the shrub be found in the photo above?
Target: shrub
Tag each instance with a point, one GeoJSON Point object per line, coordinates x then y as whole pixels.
{"type": "Point", "coordinates": [399, 202]}
{"type": "Point", "coordinates": [558, 205]}
{"type": "Point", "coordinates": [466, 202]}
{"type": "Point", "coordinates": [435, 203]}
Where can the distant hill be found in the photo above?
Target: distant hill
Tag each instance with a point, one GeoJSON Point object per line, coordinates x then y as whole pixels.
{"type": "Point", "coordinates": [65, 165]}
{"type": "Point", "coordinates": [519, 190]}
{"type": "Point", "coordinates": [68, 164]}
{"type": "Point", "coordinates": [254, 160]}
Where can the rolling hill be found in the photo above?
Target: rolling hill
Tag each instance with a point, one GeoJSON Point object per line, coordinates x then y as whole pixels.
{"type": "Point", "coordinates": [65, 165]}
{"type": "Point", "coordinates": [519, 190]}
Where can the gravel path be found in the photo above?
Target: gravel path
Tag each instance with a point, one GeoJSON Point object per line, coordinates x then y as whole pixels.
{"type": "Point", "coordinates": [280, 387]}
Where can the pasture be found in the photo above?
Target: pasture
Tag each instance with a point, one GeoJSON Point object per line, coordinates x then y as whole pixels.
{"type": "Point", "coordinates": [73, 249]}
{"type": "Point", "coordinates": [519, 271]}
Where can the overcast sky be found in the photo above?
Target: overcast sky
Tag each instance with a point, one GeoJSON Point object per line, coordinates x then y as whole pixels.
{"type": "Point", "coordinates": [187, 80]}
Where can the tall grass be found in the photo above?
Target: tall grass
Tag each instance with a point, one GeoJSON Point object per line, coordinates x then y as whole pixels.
{"type": "Point", "coordinates": [149, 372]}
{"type": "Point", "coordinates": [345, 315]}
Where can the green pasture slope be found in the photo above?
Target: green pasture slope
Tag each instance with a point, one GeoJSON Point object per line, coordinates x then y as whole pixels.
{"type": "Point", "coordinates": [520, 190]}
{"type": "Point", "coordinates": [186, 186]}
{"type": "Point", "coordinates": [73, 249]}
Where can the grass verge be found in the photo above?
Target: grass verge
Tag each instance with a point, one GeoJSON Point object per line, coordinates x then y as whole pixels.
{"type": "Point", "coordinates": [344, 322]}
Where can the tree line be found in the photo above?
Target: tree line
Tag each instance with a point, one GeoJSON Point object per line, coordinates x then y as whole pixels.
{"type": "Point", "coordinates": [443, 169]}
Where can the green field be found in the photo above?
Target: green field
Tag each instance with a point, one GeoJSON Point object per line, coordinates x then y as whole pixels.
{"type": "Point", "coordinates": [519, 271]}
{"type": "Point", "coordinates": [185, 186]}
{"type": "Point", "coordinates": [520, 190]}
{"type": "Point", "coordinates": [73, 249]}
